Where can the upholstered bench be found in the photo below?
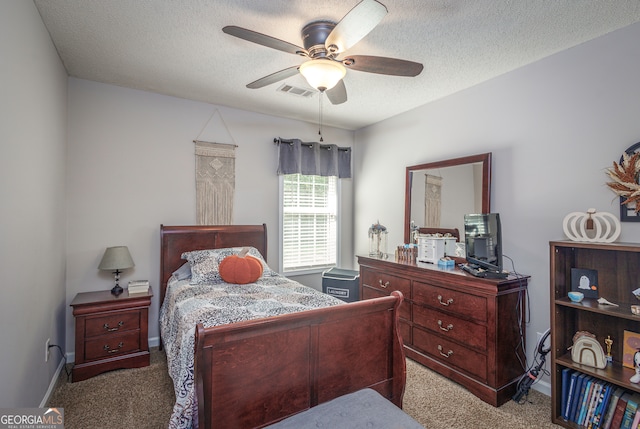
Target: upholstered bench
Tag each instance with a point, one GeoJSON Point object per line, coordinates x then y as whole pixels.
{"type": "Point", "coordinates": [363, 409]}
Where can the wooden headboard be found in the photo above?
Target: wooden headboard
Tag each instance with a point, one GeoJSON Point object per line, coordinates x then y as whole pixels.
{"type": "Point", "coordinates": [175, 240]}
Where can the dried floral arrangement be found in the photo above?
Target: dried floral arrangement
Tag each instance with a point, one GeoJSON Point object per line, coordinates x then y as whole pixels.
{"type": "Point", "coordinates": [624, 178]}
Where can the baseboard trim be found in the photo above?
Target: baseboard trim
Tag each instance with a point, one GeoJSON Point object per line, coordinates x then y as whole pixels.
{"type": "Point", "coordinates": [543, 387]}
{"type": "Point", "coordinates": [154, 342]}
{"type": "Point", "coordinates": [52, 384]}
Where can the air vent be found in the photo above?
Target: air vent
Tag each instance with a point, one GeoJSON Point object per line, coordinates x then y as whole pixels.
{"type": "Point", "coordinates": [294, 90]}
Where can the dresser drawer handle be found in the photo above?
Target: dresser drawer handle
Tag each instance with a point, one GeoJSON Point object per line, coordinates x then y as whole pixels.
{"type": "Point", "coordinates": [106, 326]}
{"type": "Point", "coordinates": [383, 285]}
{"type": "Point", "coordinates": [447, 328]}
{"type": "Point", "coordinates": [447, 354]}
{"type": "Point", "coordinates": [107, 348]}
{"type": "Point", "coordinates": [449, 301]}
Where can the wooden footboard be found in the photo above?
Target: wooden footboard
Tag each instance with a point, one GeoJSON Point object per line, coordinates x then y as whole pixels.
{"type": "Point", "coordinates": [254, 373]}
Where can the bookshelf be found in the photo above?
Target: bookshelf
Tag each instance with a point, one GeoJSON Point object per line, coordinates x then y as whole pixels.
{"type": "Point", "coordinates": [618, 267]}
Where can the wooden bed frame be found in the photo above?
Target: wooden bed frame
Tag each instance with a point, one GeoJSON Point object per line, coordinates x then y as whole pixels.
{"type": "Point", "coordinates": [255, 373]}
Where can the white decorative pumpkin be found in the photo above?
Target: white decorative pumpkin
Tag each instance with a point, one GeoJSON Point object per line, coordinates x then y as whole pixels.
{"type": "Point", "coordinates": [606, 227]}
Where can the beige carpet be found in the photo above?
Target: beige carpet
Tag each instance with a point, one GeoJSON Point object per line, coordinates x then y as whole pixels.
{"type": "Point", "coordinates": [438, 403]}
{"type": "Point", "coordinates": [143, 398]}
{"type": "Point", "coordinates": [127, 398]}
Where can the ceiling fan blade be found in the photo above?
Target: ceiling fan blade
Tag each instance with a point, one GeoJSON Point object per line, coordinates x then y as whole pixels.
{"type": "Point", "coordinates": [337, 94]}
{"type": "Point", "coordinates": [356, 24]}
{"type": "Point", "coordinates": [383, 65]}
{"type": "Point", "coordinates": [273, 77]}
{"type": "Point", "coordinates": [264, 40]}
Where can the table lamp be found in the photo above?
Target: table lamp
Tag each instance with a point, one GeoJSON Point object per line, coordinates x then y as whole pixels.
{"type": "Point", "coordinates": [116, 259]}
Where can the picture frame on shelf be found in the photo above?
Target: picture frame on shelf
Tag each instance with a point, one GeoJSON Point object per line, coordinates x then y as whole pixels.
{"type": "Point", "coordinates": [628, 211]}
{"type": "Point", "coordinates": [630, 346]}
{"type": "Point", "coordinates": [585, 281]}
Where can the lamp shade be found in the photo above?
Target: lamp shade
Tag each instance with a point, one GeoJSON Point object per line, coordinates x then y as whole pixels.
{"type": "Point", "coordinates": [116, 258]}
{"type": "Point", "coordinates": [322, 73]}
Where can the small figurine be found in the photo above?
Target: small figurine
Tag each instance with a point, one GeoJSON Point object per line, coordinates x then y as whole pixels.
{"type": "Point", "coordinates": [636, 364]}
{"type": "Point", "coordinates": [609, 342]}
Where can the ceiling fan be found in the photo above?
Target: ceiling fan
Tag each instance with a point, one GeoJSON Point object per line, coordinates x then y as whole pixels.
{"type": "Point", "coordinates": [323, 42]}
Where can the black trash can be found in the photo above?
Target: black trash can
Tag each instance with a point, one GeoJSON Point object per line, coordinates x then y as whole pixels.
{"type": "Point", "coordinates": [342, 284]}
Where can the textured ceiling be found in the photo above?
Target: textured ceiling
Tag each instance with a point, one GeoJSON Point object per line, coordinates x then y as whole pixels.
{"type": "Point", "coordinates": [178, 48]}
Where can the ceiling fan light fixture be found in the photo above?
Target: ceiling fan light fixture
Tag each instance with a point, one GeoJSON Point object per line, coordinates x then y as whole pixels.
{"type": "Point", "coordinates": [322, 74]}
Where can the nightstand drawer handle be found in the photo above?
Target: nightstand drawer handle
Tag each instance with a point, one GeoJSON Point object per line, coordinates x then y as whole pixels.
{"type": "Point", "coordinates": [107, 348]}
{"type": "Point", "coordinates": [106, 326]}
{"type": "Point", "coordinates": [447, 328]}
{"type": "Point", "coordinates": [447, 355]}
{"type": "Point", "coordinates": [383, 285]}
{"type": "Point", "coordinates": [449, 301]}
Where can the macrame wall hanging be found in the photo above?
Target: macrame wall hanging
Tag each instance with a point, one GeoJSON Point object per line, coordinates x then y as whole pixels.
{"type": "Point", "coordinates": [215, 179]}
{"type": "Point", "coordinates": [432, 200]}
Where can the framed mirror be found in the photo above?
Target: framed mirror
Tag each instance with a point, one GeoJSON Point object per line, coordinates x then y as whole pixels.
{"type": "Point", "coordinates": [439, 194]}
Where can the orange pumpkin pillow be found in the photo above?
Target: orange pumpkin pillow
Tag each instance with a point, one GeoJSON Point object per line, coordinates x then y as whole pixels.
{"type": "Point", "coordinates": [241, 268]}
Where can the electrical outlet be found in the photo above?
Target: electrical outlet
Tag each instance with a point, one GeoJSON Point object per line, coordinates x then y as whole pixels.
{"type": "Point", "coordinates": [46, 349]}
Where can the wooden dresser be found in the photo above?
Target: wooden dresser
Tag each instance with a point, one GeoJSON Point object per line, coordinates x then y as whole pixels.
{"type": "Point", "coordinates": [111, 332]}
{"type": "Point", "coordinates": [468, 329]}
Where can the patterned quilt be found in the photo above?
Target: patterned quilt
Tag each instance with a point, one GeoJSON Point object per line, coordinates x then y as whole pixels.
{"type": "Point", "coordinates": [215, 304]}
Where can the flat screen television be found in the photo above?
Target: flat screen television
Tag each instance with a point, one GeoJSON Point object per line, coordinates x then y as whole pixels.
{"type": "Point", "coordinates": [483, 241]}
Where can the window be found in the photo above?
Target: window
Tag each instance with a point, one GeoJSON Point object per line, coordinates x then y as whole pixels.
{"type": "Point", "coordinates": [309, 222]}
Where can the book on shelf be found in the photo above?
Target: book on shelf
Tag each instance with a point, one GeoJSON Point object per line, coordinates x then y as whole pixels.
{"type": "Point", "coordinates": [576, 397]}
{"type": "Point", "coordinates": [630, 411]}
{"type": "Point", "coordinates": [621, 406]}
{"type": "Point", "coordinates": [611, 406]}
{"type": "Point", "coordinates": [603, 401]}
{"type": "Point", "coordinates": [595, 415]}
{"type": "Point", "coordinates": [593, 400]}
{"type": "Point", "coordinates": [636, 420]}
{"type": "Point", "coordinates": [582, 401]}
{"type": "Point", "coordinates": [139, 283]}
{"type": "Point", "coordinates": [568, 392]}
{"type": "Point", "coordinates": [565, 376]}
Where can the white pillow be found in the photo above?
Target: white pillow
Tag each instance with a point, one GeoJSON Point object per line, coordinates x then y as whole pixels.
{"type": "Point", "coordinates": [205, 263]}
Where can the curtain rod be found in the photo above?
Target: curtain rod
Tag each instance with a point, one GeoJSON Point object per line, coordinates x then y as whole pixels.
{"type": "Point", "coordinates": [276, 140]}
{"type": "Point", "coordinates": [204, 141]}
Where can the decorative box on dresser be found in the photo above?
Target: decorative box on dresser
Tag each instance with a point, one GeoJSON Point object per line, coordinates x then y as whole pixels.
{"type": "Point", "coordinates": [469, 329]}
{"type": "Point", "coordinates": [111, 332]}
{"type": "Point", "coordinates": [618, 267]}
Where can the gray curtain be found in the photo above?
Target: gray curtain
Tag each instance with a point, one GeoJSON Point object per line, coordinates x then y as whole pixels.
{"type": "Point", "coordinates": [295, 156]}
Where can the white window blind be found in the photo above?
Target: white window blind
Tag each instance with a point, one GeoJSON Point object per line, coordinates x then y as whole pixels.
{"type": "Point", "coordinates": [309, 222]}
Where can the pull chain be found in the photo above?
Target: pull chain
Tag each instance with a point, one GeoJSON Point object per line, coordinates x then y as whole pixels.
{"type": "Point", "coordinates": [320, 115]}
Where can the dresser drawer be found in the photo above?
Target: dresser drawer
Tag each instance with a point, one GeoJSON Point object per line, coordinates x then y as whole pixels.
{"type": "Point", "coordinates": [450, 327]}
{"type": "Point", "coordinates": [458, 303]}
{"type": "Point", "coordinates": [386, 283]}
{"type": "Point", "coordinates": [112, 322]}
{"type": "Point", "coordinates": [370, 293]}
{"type": "Point", "coordinates": [451, 354]}
{"type": "Point", "coordinates": [112, 345]}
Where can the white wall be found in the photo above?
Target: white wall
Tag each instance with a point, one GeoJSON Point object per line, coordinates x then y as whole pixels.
{"type": "Point", "coordinates": [553, 128]}
{"type": "Point", "coordinates": [131, 168]}
{"type": "Point", "coordinates": [32, 212]}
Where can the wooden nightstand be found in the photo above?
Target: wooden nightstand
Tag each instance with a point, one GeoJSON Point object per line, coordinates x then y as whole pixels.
{"type": "Point", "coordinates": [111, 332]}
